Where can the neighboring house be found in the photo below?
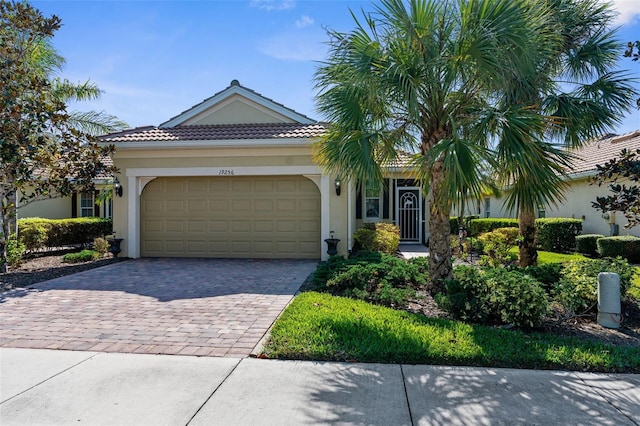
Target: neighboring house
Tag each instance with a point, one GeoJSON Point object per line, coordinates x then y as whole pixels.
{"type": "Point", "coordinates": [582, 192]}
{"type": "Point", "coordinates": [234, 176]}
{"type": "Point", "coordinates": [80, 204]}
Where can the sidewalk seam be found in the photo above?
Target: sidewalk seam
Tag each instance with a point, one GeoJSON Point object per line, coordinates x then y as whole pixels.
{"type": "Point", "coordinates": [214, 391]}
{"type": "Point", "coordinates": [406, 395]}
{"type": "Point", "coordinates": [51, 377]}
{"type": "Point", "coordinates": [596, 390]}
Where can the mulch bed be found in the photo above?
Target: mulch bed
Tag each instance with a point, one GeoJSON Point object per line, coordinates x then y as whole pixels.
{"type": "Point", "coordinates": [46, 267]}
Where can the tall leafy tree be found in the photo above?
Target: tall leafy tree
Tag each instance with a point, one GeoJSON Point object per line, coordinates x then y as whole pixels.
{"type": "Point", "coordinates": [573, 95]}
{"type": "Point", "coordinates": [623, 174]}
{"type": "Point", "coordinates": [45, 151]}
{"type": "Point", "coordinates": [420, 75]}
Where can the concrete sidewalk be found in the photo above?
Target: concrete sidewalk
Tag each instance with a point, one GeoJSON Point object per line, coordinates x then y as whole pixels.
{"type": "Point", "coordinates": [92, 388]}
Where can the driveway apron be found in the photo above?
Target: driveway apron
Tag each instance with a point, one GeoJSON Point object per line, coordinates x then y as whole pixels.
{"type": "Point", "coordinates": [204, 307]}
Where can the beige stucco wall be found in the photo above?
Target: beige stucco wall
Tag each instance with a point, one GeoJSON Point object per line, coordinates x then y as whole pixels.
{"type": "Point", "coordinates": [277, 159]}
{"type": "Point", "coordinates": [54, 208]}
{"type": "Point", "coordinates": [237, 110]}
{"type": "Point", "coordinates": [577, 204]}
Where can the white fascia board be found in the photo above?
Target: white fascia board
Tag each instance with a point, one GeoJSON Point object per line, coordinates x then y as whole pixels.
{"type": "Point", "coordinates": [236, 90]}
{"type": "Point", "coordinates": [224, 143]}
{"type": "Point", "coordinates": [224, 171]}
{"type": "Point", "coordinates": [582, 175]}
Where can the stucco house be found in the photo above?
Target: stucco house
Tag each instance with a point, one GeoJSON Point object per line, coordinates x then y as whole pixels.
{"type": "Point", "coordinates": [582, 191]}
{"type": "Point", "coordinates": [79, 204]}
{"type": "Point", "coordinates": [234, 176]}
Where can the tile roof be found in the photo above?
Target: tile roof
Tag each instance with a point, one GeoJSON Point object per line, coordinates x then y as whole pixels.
{"type": "Point", "coordinates": [217, 132]}
{"type": "Point", "coordinates": [603, 149]}
{"type": "Point", "coordinates": [107, 161]}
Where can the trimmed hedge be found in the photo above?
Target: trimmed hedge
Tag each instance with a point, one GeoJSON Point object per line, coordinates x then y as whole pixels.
{"type": "Point", "coordinates": [37, 233]}
{"type": "Point", "coordinates": [557, 234]}
{"type": "Point", "coordinates": [480, 226]}
{"type": "Point", "coordinates": [454, 222]}
{"type": "Point", "coordinates": [587, 244]}
{"type": "Point", "coordinates": [83, 256]}
{"type": "Point", "coordinates": [626, 246]}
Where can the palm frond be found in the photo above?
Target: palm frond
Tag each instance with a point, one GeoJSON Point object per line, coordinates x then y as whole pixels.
{"type": "Point", "coordinates": [95, 123]}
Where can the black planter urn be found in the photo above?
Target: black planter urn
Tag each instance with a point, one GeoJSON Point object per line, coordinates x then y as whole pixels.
{"type": "Point", "coordinates": [114, 246]}
{"type": "Point", "coordinates": [332, 246]}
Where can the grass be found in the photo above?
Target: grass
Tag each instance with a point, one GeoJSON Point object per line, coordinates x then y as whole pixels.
{"type": "Point", "coordinates": [545, 257]}
{"type": "Point", "coordinates": [319, 326]}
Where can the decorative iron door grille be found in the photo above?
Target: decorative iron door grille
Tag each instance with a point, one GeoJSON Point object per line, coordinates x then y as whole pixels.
{"type": "Point", "coordinates": [409, 214]}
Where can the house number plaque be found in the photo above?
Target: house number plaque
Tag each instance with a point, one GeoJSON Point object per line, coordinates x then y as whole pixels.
{"type": "Point", "coordinates": [226, 172]}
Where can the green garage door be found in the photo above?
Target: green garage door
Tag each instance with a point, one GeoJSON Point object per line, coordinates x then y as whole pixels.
{"type": "Point", "coordinates": [243, 217]}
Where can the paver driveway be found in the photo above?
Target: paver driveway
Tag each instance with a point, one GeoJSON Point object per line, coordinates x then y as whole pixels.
{"type": "Point", "coordinates": [207, 307]}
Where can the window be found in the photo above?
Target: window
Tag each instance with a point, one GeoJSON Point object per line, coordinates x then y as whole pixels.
{"type": "Point", "coordinates": [372, 201]}
{"type": "Point", "coordinates": [542, 212]}
{"type": "Point", "coordinates": [87, 204]}
{"type": "Point", "coordinates": [487, 207]}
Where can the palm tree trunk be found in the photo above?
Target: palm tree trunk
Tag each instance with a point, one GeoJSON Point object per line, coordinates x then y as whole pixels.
{"type": "Point", "coordinates": [440, 267]}
{"type": "Point", "coordinates": [527, 225]}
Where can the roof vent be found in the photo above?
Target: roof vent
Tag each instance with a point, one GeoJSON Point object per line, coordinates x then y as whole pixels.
{"type": "Point", "coordinates": [235, 83]}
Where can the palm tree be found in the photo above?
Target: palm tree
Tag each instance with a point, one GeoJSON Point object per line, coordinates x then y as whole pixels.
{"type": "Point", "coordinates": [573, 96]}
{"type": "Point", "coordinates": [420, 76]}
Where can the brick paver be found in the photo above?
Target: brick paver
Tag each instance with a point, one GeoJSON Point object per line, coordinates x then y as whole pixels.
{"type": "Point", "coordinates": [203, 307]}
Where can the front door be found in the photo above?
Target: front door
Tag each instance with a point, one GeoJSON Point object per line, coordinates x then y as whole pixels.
{"type": "Point", "coordinates": [409, 213]}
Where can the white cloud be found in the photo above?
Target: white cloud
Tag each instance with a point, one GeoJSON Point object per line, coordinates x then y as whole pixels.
{"type": "Point", "coordinates": [293, 49]}
{"type": "Point", "coordinates": [629, 10]}
{"type": "Point", "coordinates": [270, 5]}
{"type": "Point", "coordinates": [304, 21]}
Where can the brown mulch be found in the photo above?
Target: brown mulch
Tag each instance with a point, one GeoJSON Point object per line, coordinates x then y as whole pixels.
{"type": "Point", "coordinates": [46, 267]}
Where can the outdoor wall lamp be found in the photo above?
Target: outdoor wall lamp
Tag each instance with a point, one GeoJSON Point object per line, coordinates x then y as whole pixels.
{"type": "Point", "coordinates": [117, 188]}
{"type": "Point", "coordinates": [338, 186]}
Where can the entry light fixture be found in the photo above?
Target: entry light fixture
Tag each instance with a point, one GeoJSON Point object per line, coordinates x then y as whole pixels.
{"type": "Point", "coordinates": [338, 186]}
{"type": "Point", "coordinates": [117, 188]}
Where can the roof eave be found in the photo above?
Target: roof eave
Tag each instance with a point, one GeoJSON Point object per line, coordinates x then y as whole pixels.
{"type": "Point", "coordinates": [219, 143]}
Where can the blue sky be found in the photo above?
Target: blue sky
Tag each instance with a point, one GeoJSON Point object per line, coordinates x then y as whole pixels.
{"type": "Point", "coordinates": [154, 59]}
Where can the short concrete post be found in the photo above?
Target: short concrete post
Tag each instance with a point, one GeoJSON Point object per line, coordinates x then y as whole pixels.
{"type": "Point", "coordinates": [609, 315]}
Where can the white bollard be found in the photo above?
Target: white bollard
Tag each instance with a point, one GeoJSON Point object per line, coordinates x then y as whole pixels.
{"type": "Point", "coordinates": [609, 315]}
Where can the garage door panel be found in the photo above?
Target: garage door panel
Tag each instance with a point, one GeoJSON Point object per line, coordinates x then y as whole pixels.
{"type": "Point", "coordinates": [264, 217]}
{"type": "Point", "coordinates": [174, 226]}
{"type": "Point", "coordinates": [174, 206]}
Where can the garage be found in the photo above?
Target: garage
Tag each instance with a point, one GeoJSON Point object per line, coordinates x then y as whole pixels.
{"type": "Point", "coordinates": [230, 216]}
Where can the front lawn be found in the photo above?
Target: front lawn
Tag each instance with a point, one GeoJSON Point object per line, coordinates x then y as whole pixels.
{"type": "Point", "coordinates": [324, 327]}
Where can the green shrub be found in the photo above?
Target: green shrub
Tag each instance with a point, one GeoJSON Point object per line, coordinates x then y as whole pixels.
{"type": "Point", "coordinates": [101, 245]}
{"type": "Point", "coordinates": [547, 274]}
{"type": "Point", "coordinates": [33, 233]}
{"type": "Point", "coordinates": [480, 226]}
{"type": "Point", "coordinates": [626, 246]}
{"type": "Point", "coordinates": [495, 295]}
{"type": "Point", "coordinates": [376, 277]}
{"type": "Point", "coordinates": [381, 236]}
{"type": "Point", "coordinates": [328, 268]}
{"type": "Point", "coordinates": [557, 234]}
{"type": "Point", "coordinates": [82, 256]}
{"type": "Point", "coordinates": [496, 246]}
{"type": "Point", "coordinates": [577, 290]}
{"type": "Point", "coordinates": [587, 244]}
{"type": "Point", "coordinates": [15, 251]}
{"type": "Point", "coordinates": [62, 232]}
